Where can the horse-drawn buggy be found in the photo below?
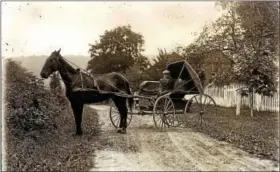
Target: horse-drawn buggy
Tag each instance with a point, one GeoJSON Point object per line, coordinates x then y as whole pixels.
{"type": "Point", "coordinates": [184, 103]}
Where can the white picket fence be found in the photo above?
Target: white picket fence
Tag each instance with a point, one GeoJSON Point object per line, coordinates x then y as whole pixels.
{"type": "Point", "coordinates": [227, 96]}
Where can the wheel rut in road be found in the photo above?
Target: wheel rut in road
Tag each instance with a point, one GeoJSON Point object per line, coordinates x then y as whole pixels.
{"type": "Point", "coordinates": [144, 148]}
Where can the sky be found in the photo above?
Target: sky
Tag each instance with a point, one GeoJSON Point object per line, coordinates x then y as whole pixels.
{"type": "Point", "coordinates": [38, 28]}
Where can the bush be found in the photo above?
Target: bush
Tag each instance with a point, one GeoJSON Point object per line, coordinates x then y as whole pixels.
{"type": "Point", "coordinates": [29, 106]}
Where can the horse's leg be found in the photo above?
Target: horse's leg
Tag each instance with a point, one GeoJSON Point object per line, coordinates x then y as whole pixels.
{"type": "Point", "coordinates": [120, 103]}
{"type": "Point", "coordinates": [78, 113]}
{"type": "Point", "coordinates": [123, 114]}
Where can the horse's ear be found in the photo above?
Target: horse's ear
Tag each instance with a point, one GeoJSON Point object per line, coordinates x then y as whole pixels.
{"type": "Point", "coordinates": [58, 52]}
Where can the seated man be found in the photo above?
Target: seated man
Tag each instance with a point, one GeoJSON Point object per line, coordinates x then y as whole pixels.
{"type": "Point", "coordinates": [165, 82]}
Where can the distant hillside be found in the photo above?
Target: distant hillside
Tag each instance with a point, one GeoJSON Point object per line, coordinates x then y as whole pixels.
{"type": "Point", "coordinates": [34, 64]}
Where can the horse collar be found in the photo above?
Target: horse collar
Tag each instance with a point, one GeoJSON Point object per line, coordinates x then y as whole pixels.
{"type": "Point", "coordinates": [81, 77]}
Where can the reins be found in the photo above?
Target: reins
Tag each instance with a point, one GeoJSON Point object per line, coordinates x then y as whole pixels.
{"type": "Point", "coordinates": [90, 75]}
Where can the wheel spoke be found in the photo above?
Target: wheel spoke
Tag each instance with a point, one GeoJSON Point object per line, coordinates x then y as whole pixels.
{"type": "Point", "coordinates": [161, 121]}
{"type": "Point", "coordinates": [167, 106]}
{"type": "Point", "coordinates": [115, 116]}
{"type": "Point", "coordinates": [161, 106]}
{"type": "Point", "coordinates": [165, 123]}
{"type": "Point", "coordinates": [195, 107]}
{"type": "Point", "coordinates": [200, 102]}
{"type": "Point", "coordinates": [115, 111]}
{"type": "Point", "coordinates": [205, 122]}
{"type": "Point", "coordinates": [165, 103]}
{"type": "Point", "coordinates": [194, 116]}
{"type": "Point", "coordinates": [204, 103]}
{"type": "Point", "coordinates": [206, 106]}
{"type": "Point", "coordinates": [202, 110]}
{"type": "Point", "coordinates": [159, 118]}
{"type": "Point", "coordinates": [118, 121]}
{"type": "Point", "coordinates": [196, 100]}
{"type": "Point", "coordinates": [163, 113]}
{"type": "Point", "coordinates": [205, 99]}
{"type": "Point", "coordinates": [196, 120]}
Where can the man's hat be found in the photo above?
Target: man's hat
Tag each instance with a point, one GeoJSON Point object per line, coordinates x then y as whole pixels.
{"type": "Point", "coordinates": [166, 72]}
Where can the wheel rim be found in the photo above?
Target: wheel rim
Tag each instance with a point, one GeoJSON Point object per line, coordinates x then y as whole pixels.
{"type": "Point", "coordinates": [115, 116]}
{"type": "Point", "coordinates": [164, 113]}
{"type": "Point", "coordinates": [202, 111]}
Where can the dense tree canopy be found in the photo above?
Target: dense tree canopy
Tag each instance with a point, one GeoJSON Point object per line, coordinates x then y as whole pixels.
{"type": "Point", "coordinates": [116, 51]}
{"type": "Point", "coordinates": [143, 63]}
{"type": "Point", "coordinates": [247, 33]}
{"type": "Point", "coordinates": [160, 62]}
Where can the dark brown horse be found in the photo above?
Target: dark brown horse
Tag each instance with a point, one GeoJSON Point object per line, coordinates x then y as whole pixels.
{"type": "Point", "coordinates": [112, 86]}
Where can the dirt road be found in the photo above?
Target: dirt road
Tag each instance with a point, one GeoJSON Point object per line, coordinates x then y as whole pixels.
{"type": "Point", "coordinates": [144, 148]}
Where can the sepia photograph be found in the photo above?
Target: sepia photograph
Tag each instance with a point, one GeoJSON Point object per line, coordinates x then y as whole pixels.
{"type": "Point", "coordinates": [140, 85]}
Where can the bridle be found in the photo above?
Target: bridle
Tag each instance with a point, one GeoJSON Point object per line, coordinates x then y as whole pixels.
{"type": "Point", "coordinates": [79, 71]}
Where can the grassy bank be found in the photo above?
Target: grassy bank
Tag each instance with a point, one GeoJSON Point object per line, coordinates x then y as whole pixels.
{"type": "Point", "coordinates": [60, 150]}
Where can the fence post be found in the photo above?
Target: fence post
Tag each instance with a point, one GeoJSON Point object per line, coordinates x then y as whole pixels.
{"type": "Point", "coordinates": [225, 97]}
{"type": "Point", "coordinates": [252, 102]}
{"type": "Point", "coordinates": [238, 103]}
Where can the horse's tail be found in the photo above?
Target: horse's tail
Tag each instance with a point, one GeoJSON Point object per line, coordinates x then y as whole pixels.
{"type": "Point", "coordinates": [130, 99]}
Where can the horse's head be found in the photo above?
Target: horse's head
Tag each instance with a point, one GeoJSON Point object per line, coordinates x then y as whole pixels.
{"type": "Point", "coordinates": [51, 65]}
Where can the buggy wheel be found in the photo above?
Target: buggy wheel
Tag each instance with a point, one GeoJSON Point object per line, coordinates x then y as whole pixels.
{"type": "Point", "coordinates": [115, 116]}
{"type": "Point", "coordinates": [164, 113]}
{"type": "Point", "coordinates": [201, 111]}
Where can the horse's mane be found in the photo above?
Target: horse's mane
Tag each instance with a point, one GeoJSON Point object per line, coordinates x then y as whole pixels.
{"type": "Point", "coordinates": [66, 71]}
{"type": "Point", "coordinates": [66, 65]}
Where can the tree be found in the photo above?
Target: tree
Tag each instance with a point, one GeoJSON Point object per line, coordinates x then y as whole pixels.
{"type": "Point", "coordinates": [247, 32]}
{"type": "Point", "coordinates": [194, 54]}
{"type": "Point", "coordinates": [160, 62]}
{"type": "Point", "coordinates": [116, 50]}
{"type": "Point", "coordinates": [261, 34]}
{"type": "Point", "coordinates": [135, 74]}
{"type": "Point", "coordinates": [143, 63]}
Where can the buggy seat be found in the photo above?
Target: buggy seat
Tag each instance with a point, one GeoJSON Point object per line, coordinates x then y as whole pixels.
{"type": "Point", "coordinates": [149, 88]}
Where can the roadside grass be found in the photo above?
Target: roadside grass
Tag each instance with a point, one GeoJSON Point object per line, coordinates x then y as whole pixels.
{"type": "Point", "coordinates": [58, 151]}
{"type": "Point", "coordinates": [257, 135]}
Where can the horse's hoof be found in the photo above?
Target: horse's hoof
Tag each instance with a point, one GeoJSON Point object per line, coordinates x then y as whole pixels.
{"type": "Point", "coordinates": [76, 135]}
{"type": "Point", "coordinates": [123, 131]}
{"type": "Point", "coordinates": [79, 133]}
{"type": "Point", "coordinates": [119, 130]}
